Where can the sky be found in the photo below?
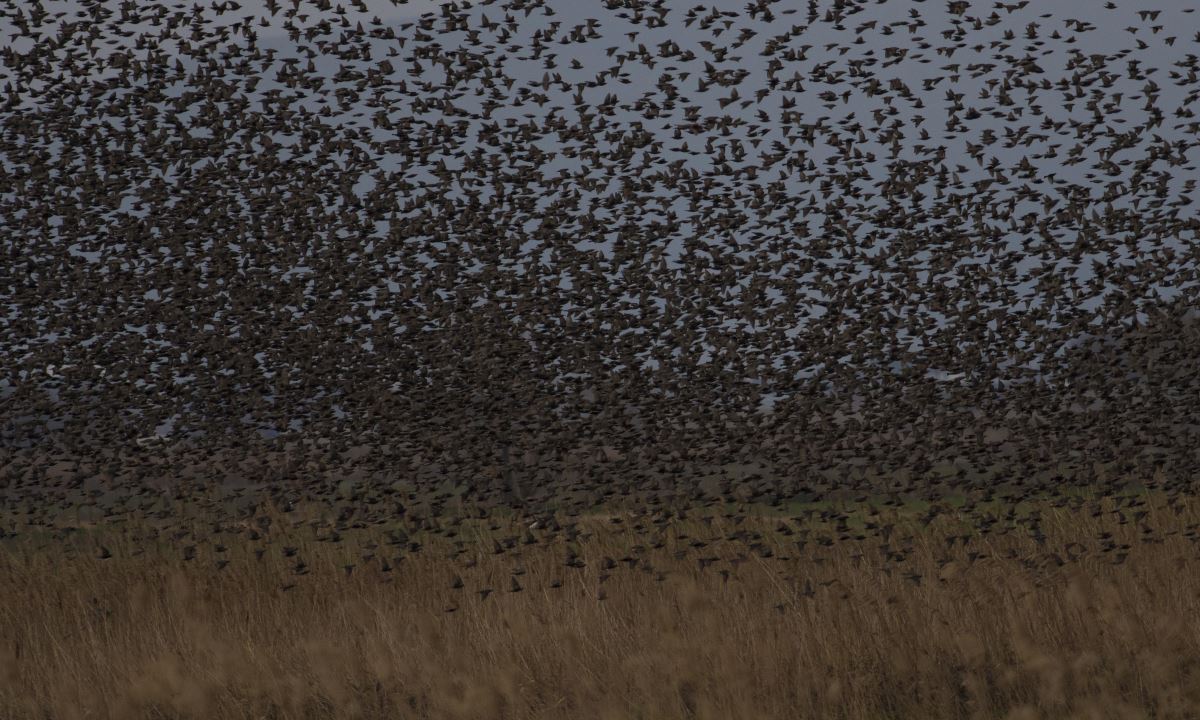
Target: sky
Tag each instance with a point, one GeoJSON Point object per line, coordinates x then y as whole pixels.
{"type": "Point", "coordinates": [876, 38]}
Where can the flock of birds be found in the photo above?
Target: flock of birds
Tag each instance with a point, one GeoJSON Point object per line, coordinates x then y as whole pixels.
{"type": "Point", "coordinates": [516, 253]}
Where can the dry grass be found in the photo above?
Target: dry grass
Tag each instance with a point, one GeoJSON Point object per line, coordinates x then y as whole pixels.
{"type": "Point", "coordinates": [999, 624]}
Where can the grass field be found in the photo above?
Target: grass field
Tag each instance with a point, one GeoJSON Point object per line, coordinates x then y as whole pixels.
{"type": "Point", "coordinates": [1084, 604]}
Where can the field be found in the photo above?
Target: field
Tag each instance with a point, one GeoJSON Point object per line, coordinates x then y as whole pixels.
{"type": "Point", "coordinates": [985, 604]}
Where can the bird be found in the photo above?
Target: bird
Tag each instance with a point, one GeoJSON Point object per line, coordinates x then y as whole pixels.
{"type": "Point", "coordinates": [454, 281]}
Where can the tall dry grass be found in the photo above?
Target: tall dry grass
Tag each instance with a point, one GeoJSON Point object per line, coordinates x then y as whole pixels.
{"type": "Point", "coordinates": [1002, 624]}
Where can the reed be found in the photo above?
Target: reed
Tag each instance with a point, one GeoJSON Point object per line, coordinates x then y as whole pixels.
{"type": "Point", "coordinates": [724, 613]}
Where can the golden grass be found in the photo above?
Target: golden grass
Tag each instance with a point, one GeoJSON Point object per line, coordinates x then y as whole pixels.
{"type": "Point", "coordinates": [999, 624]}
